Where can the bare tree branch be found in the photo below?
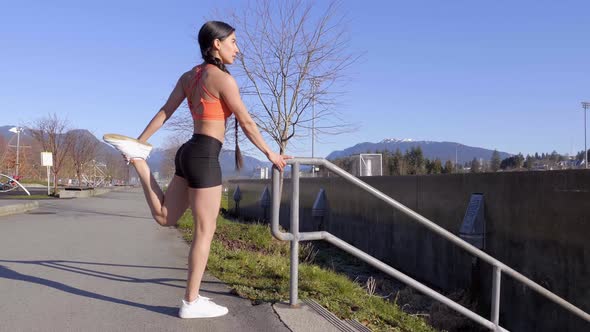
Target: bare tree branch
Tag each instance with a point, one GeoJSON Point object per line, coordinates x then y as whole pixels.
{"type": "Point", "coordinates": [292, 56]}
{"type": "Point", "coordinates": [84, 149]}
{"type": "Point", "coordinates": [52, 134]}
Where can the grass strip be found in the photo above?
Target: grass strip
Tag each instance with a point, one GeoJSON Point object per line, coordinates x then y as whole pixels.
{"type": "Point", "coordinates": [28, 197]}
{"type": "Point", "coordinates": [256, 266]}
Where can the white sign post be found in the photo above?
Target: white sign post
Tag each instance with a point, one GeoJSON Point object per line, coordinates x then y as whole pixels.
{"type": "Point", "coordinates": [47, 160]}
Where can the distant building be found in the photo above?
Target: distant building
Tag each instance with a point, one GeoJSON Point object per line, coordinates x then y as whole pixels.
{"type": "Point", "coordinates": [367, 164]}
{"type": "Point", "coordinates": [261, 173]}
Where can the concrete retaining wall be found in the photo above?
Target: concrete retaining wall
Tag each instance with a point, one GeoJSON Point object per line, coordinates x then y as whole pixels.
{"type": "Point", "coordinates": [538, 223]}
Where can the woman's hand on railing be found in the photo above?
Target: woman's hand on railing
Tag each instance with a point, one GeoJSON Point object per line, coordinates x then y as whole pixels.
{"type": "Point", "coordinates": [278, 160]}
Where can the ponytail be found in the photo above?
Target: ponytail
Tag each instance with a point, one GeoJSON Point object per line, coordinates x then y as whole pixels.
{"type": "Point", "coordinates": [238, 154]}
{"type": "Point", "coordinates": [209, 58]}
{"type": "Point", "coordinates": [207, 34]}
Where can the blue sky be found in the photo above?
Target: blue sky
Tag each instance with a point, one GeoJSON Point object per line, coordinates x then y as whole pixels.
{"type": "Point", "coordinates": [495, 74]}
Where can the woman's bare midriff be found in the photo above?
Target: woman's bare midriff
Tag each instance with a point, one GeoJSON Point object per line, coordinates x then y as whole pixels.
{"type": "Point", "coordinates": [213, 128]}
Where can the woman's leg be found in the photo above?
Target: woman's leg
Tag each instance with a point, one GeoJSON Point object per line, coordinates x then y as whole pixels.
{"type": "Point", "coordinates": [166, 209]}
{"type": "Point", "coordinates": [204, 203]}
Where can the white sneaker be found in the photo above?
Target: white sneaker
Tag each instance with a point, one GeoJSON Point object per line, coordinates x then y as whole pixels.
{"type": "Point", "coordinates": [202, 307]}
{"type": "Point", "coordinates": [129, 147]}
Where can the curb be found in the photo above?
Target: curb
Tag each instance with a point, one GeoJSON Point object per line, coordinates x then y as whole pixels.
{"type": "Point", "coordinates": [7, 210]}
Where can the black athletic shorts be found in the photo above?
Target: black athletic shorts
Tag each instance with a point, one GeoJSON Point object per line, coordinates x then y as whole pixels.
{"type": "Point", "coordinates": [198, 161]}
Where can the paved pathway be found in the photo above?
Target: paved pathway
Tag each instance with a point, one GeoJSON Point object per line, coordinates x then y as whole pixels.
{"type": "Point", "coordinates": [102, 264]}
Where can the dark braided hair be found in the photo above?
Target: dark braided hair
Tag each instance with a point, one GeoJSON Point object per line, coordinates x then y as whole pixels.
{"type": "Point", "coordinates": [207, 34]}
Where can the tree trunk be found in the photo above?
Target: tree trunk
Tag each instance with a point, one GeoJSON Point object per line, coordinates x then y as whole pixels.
{"type": "Point", "coordinates": [54, 183]}
{"type": "Point", "coordinates": [79, 176]}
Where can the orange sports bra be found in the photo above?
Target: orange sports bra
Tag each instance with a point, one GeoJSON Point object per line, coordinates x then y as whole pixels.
{"type": "Point", "coordinates": [212, 109]}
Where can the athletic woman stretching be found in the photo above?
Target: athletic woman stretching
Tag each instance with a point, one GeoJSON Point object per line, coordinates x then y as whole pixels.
{"type": "Point", "coordinates": [212, 95]}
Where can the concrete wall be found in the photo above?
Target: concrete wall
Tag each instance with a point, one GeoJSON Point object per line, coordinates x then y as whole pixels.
{"type": "Point", "coordinates": [538, 223]}
{"type": "Point", "coordinates": [87, 192]}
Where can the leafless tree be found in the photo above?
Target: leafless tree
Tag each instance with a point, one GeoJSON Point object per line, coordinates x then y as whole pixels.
{"type": "Point", "coordinates": [51, 132]}
{"type": "Point", "coordinates": [2, 149]}
{"type": "Point", "coordinates": [116, 167]}
{"type": "Point", "coordinates": [4, 155]}
{"type": "Point", "coordinates": [181, 123]}
{"type": "Point", "coordinates": [84, 149]}
{"type": "Point", "coordinates": [294, 57]}
{"type": "Point", "coordinates": [173, 142]}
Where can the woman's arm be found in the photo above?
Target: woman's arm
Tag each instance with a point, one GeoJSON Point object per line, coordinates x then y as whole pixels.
{"type": "Point", "coordinates": [230, 94]}
{"type": "Point", "coordinates": [174, 100]}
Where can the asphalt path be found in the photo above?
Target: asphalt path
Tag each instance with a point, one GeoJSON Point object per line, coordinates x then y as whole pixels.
{"type": "Point", "coordinates": [103, 264]}
{"type": "Point", "coordinates": [20, 192]}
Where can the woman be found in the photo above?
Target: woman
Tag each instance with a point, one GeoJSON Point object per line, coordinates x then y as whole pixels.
{"type": "Point", "coordinates": [212, 95]}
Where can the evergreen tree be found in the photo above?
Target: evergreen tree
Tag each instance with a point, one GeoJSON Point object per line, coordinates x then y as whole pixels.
{"type": "Point", "coordinates": [528, 163]}
{"type": "Point", "coordinates": [515, 161]}
{"type": "Point", "coordinates": [507, 163]}
{"type": "Point", "coordinates": [414, 160]}
{"type": "Point", "coordinates": [345, 163]}
{"type": "Point", "coordinates": [448, 167]}
{"type": "Point", "coordinates": [386, 159]}
{"type": "Point", "coordinates": [475, 166]}
{"type": "Point", "coordinates": [396, 164]}
{"type": "Point", "coordinates": [428, 165]}
{"type": "Point", "coordinates": [495, 161]}
{"type": "Point", "coordinates": [519, 160]}
{"type": "Point", "coordinates": [437, 167]}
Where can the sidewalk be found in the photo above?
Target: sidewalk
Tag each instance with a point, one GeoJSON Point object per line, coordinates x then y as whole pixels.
{"type": "Point", "coordinates": [103, 264]}
{"type": "Point", "coordinates": [9, 206]}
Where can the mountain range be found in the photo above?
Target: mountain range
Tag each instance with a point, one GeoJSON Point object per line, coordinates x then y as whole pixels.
{"type": "Point", "coordinates": [431, 150]}
{"type": "Point", "coordinates": [157, 157]}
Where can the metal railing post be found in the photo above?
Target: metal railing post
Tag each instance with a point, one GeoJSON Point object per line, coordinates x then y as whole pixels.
{"type": "Point", "coordinates": [295, 231]}
{"type": "Point", "coordinates": [294, 236]}
{"type": "Point", "coordinates": [496, 284]}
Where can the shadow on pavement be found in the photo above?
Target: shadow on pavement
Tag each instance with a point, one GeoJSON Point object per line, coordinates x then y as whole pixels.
{"type": "Point", "coordinates": [62, 265]}
{"type": "Point", "coordinates": [8, 273]}
{"type": "Point", "coordinates": [11, 274]}
{"type": "Point", "coordinates": [89, 211]}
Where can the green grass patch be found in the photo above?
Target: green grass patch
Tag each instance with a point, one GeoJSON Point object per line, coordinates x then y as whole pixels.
{"type": "Point", "coordinates": [256, 265]}
{"type": "Point", "coordinates": [30, 181]}
{"type": "Point", "coordinates": [224, 201]}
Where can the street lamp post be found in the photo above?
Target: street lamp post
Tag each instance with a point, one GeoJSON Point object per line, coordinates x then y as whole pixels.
{"type": "Point", "coordinates": [585, 106]}
{"type": "Point", "coordinates": [313, 121]}
{"type": "Point", "coordinates": [17, 131]}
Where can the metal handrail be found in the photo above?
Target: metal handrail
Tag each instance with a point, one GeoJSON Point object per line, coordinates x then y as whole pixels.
{"type": "Point", "coordinates": [295, 236]}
